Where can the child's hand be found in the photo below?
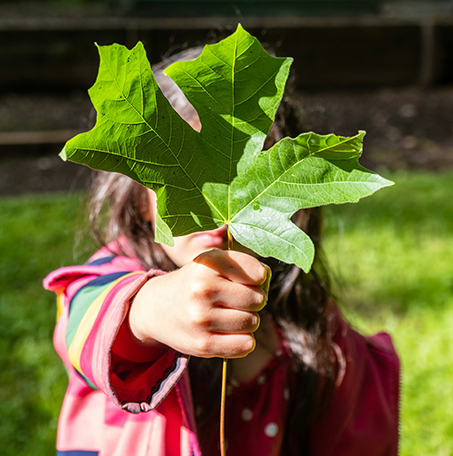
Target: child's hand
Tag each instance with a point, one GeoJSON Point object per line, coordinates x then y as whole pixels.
{"type": "Point", "coordinates": [207, 308]}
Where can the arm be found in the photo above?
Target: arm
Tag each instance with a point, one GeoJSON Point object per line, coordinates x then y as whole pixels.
{"type": "Point", "coordinates": [94, 300]}
{"type": "Point", "coordinates": [207, 308]}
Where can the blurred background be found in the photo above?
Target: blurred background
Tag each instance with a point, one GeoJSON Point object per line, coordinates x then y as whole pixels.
{"type": "Point", "coordinates": [381, 66]}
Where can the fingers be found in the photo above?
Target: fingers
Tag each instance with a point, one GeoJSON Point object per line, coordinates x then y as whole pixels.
{"type": "Point", "coordinates": [235, 266]}
{"type": "Point", "coordinates": [243, 297]}
{"type": "Point", "coordinates": [225, 346]}
{"type": "Point", "coordinates": [230, 321]}
{"type": "Point", "coordinates": [213, 302]}
{"type": "Point", "coordinates": [224, 293]}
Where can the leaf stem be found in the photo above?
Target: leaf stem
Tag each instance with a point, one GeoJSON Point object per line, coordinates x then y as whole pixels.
{"type": "Point", "coordinates": [224, 380]}
{"type": "Point", "coordinates": [230, 240]}
{"type": "Point", "coordinates": [222, 408]}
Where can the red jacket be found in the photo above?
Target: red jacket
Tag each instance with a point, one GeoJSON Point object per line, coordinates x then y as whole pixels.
{"type": "Point", "coordinates": [103, 389]}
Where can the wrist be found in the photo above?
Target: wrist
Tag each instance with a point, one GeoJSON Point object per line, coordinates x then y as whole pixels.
{"type": "Point", "coordinates": [132, 342]}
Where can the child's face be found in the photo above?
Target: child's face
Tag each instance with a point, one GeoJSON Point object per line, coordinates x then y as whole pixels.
{"type": "Point", "coordinates": [186, 248]}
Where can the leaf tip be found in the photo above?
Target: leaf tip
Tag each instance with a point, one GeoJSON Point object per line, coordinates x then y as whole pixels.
{"type": "Point", "coordinates": [307, 263]}
{"type": "Point", "coordinates": [139, 45]}
{"type": "Point", "coordinates": [361, 134]}
{"type": "Point", "coordinates": [63, 155]}
{"type": "Point", "coordinates": [388, 183]}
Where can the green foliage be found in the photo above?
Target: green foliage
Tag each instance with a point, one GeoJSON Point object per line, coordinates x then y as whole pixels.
{"type": "Point", "coordinates": [219, 175]}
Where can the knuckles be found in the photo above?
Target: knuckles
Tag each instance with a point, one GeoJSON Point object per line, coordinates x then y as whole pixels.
{"type": "Point", "coordinates": [201, 291]}
{"type": "Point", "coordinates": [204, 347]}
{"type": "Point", "coordinates": [198, 317]}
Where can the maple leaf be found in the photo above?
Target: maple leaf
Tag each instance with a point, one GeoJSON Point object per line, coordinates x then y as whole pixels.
{"type": "Point", "coordinates": [219, 175]}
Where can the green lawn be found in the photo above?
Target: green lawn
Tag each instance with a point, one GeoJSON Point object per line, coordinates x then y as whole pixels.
{"type": "Point", "coordinates": [391, 256]}
{"type": "Point", "coordinates": [36, 235]}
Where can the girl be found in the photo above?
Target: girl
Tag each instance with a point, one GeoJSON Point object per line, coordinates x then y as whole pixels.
{"type": "Point", "coordinates": [300, 380]}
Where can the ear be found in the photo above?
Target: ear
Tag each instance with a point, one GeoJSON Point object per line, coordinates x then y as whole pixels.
{"type": "Point", "coordinates": [146, 214]}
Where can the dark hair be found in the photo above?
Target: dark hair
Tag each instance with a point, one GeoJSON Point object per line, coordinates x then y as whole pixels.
{"type": "Point", "coordinates": [297, 300]}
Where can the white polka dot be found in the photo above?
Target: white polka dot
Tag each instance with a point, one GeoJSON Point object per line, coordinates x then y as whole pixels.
{"type": "Point", "coordinates": [234, 382]}
{"type": "Point", "coordinates": [271, 430]}
{"type": "Point", "coordinates": [261, 379]}
{"type": "Point", "coordinates": [229, 390]}
{"type": "Point", "coordinates": [246, 414]}
{"type": "Point", "coordinates": [286, 393]}
{"type": "Point", "coordinates": [279, 352]}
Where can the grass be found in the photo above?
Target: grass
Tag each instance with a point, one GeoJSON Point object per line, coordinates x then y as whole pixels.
{"type": "Point", "coordinates": [36, 236]}
{"type": "Point", "coordinates": [391, 257]}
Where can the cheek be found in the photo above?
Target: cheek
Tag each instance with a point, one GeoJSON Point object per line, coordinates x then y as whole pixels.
{"type": "Point", "coordinates": [180, 253]}
{"type": "Point", "coordinates": [150, 214]}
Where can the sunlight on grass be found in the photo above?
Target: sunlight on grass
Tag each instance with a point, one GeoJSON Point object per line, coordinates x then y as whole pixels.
{"type": "Point", "coordinates": [391, 255]}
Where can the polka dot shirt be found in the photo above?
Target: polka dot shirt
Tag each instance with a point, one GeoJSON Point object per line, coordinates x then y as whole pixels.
{"type": "Point", "coordinates": [255, 412]}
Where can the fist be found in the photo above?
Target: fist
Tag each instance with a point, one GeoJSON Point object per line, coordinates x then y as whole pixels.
{"type": "Point", "coordinates": [207, 308]}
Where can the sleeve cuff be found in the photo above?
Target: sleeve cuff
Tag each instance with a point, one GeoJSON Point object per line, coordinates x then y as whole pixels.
{"type": "Point", "coordinates": [133, 386]}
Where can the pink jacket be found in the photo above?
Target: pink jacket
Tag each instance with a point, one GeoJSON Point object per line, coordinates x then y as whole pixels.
{"type": "Point", "coordinates": [116, 408]}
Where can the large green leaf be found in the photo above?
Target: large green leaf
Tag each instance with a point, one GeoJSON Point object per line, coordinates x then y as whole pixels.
{"type": "Point", "coordinates": [219, 175]}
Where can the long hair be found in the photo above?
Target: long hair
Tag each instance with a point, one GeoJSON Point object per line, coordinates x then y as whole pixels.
{"type": "Point", "coordinates": [297, 300]}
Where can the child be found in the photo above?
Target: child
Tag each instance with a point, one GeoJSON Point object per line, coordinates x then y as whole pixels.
{"type": "Point", "coordinates": [300, 380]}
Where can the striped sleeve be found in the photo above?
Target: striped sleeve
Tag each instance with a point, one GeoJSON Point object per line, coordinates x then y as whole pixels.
{"type": "Point", "coordinates": [86, 311]}
{"type": "Point", "coordinates": [93, 301]}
